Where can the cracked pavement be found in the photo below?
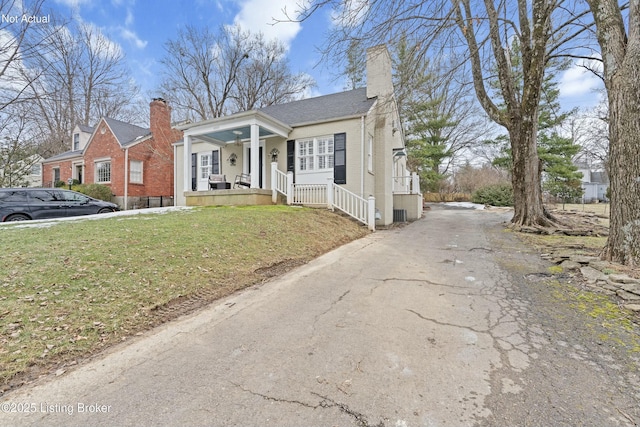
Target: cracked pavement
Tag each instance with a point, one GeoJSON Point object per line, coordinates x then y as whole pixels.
{"type": "Point", "coordinates": [430, 324]}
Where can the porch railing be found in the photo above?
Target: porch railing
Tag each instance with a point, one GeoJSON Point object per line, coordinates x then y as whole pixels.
{"type": "Point", "coordinates": [310, 194]}
{"type": "Point", "coordinates": [408, 184]}
{"type": "Point", "coordinates": [331, 195]}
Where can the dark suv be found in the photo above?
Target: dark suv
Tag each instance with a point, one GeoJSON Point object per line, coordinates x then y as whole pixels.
{"type": "Point", "coordinates": [19, 204]}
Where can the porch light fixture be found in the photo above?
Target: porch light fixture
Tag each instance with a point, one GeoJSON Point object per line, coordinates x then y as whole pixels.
{"type": "Point", "coordinates": [274, 154]}
{"type": "Point", "coordinates": [399, 153]}
{"type": "Point", "coordinates": [237, 133]}
{"type": "Point", "coordinates": [232, 159]}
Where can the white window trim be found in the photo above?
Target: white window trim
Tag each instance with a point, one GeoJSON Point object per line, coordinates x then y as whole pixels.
{"type": "Point", "coordinates": [95, 169]}
{"type": "Point", "coordinates": [131, 172]}
{"type": "Point", "coordinates": [315, 156]}
{"type": "Point", "coordinates": [206, 169]}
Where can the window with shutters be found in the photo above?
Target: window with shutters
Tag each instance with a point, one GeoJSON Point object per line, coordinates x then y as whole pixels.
{"type": "Point", "coordinates": [315, 154]}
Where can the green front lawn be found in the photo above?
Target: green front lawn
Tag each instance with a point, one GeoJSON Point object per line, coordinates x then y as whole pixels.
{"type": "Point", "coordinates": [73, 288]}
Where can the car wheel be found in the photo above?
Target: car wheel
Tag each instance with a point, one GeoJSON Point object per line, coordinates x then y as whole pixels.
{"type": "Point", "coordinates": [18, 217]}
{"type": "Point", "coordinates": [105, 210]}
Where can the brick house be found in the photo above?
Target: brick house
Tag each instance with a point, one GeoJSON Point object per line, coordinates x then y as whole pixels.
{"type": "Point", "coordinates": [135, 162]}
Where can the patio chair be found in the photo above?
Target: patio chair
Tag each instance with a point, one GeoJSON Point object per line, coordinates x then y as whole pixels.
{"type": "Point", "coordinates": [242, 180]}
{"type": "Point", "coordinates": [217, 181]}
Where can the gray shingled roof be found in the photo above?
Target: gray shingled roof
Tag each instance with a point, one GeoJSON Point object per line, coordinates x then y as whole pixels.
{"type": "Point", "coordinates": [65, 155]}
{"type": "Point", "coordinates": [321, 108]}
{"type": "Point", "coordinates": [126, 133]}
{"type": "Point", "coordinates": [86, 129]}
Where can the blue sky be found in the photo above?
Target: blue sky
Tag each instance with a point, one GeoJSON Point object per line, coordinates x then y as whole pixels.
{"type": "Point", "coordinates": [141, 27]}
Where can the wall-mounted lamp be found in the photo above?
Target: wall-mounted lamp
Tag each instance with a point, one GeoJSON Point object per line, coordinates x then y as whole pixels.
{"type": "Point", "coordinates": [399, 153]}
{"type": "Point", "coordinates": [274, 154]}
{"type": "Point", "coordinates": [237, 133]}
{"type": "Point", "coordinates": [232, 159]}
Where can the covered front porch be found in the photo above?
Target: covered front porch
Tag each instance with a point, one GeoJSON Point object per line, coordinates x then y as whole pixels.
{"type": "Point", "coordinates": [240, 147]}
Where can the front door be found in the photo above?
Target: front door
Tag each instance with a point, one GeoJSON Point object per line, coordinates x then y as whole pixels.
{"type": "Point", "coordinates": [204, 169]}
{"type": "Point", "coordinates": [260, 163]}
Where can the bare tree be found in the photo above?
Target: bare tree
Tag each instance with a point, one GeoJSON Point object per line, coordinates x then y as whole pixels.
{"type": "Point", "coordinates": [17, 147]}
{"type": "Point", "coordinates": [265, 78]}
{"type": "Point", "coordinates": [485, 31]}
{"type": "Point", "coordinates": [208, 75]}
{"type": "Point", "coordinates": [19, 43]}
{"type": "Point", "coordinates": [618, 34]}
{"type": "Point", "coordinates": [82, 77]}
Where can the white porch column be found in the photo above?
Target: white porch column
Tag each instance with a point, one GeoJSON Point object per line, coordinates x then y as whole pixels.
{"type": "Point", "coordinates": [274, 183]}
{"type": "Point", "coordinates": [186, 163]}
{"type": "Point", "coordinates": [255, 156]}
{"type": "Point", "coordinates": [415, 183]}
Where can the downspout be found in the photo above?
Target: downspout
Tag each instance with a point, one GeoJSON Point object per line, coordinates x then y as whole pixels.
{"type": "Point", "coordinates": [175, 174]}
{"type": "Point", "coordinates": [126, 178]}
{"type": "Point", "coordinates": [362, 156]}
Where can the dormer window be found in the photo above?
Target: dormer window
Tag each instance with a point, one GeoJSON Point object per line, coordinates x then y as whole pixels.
{"type": "Point", "coordinates": [76, 141]}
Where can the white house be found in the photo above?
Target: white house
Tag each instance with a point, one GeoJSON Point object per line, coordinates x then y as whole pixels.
{"type": "Point", "coordinates": [594, 183]}
{"type": "Point", "coordinates": [344, 149]}
{"type": "Point", "coordinates": [22, 173]}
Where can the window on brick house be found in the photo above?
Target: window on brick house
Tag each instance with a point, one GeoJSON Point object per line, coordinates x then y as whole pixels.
{"type": "Point", "coordinates": [103, 171]}
{"type": "Point", "coordinates": [135, 171]}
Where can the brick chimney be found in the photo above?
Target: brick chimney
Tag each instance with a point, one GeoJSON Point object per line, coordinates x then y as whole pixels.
{"type": "Point", "coordinates": [160, 117]}
{"type": "Point", "coordinates": [379, 81]}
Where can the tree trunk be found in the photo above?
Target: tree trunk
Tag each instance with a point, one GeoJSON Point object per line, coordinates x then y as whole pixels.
{"type": "Point", "coordinates": [527, 191]}
{"type": "Point", "coordinates": [623, 244]}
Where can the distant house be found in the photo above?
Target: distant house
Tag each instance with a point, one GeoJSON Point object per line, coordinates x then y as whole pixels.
{"type": "Point", "coordinates": [135, 162]}
{"type": "Point", "coordinates": [23, 173]}
{"type": "Point", "coordinates": [344, 150]}
{"type": "Point", "coordinates": [594, 183]}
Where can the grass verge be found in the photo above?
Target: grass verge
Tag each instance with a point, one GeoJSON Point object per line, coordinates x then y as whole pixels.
{"type": "Point", "coordinates": [74, 288]}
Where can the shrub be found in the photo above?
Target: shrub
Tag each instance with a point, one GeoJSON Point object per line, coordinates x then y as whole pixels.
{"type": "Point", "coordinates": [59, 184]}
{"type": "Point", "coordinates": [494, 195]}
{"type": "Point", "coordinates": [97, 191]}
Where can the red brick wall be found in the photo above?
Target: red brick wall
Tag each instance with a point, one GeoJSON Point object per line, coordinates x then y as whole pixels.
{"type": "Point", "coordinates": [156, 154]}
{"type": "Point", "coordinates": [47, 172]}
{"type": "Point", "coordinates": [104, 145]}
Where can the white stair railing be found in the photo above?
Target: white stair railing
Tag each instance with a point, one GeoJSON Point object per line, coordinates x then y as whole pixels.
{"type": "Point", "coordinates": [330, 195]}
{"type": "Point", "coordinates": [280, 183]}
{"type": "Point", "coordinates": [353, 205]}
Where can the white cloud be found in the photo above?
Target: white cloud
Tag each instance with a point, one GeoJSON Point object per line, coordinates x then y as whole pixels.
{"type": "Point", "coordinates": [133, 38]}
{"type": "Point", "coordinates": [129, 19]}
{"type": "Point", "coordinates": [351, 13]}
{"type": "Point", "coordinates": [74, 4]}
{"type": "Point", "coordinates": [259, 15]}
{"type": "Point", "coordinates": [578, 81]}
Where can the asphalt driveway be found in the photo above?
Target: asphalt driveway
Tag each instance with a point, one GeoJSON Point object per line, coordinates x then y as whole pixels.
{"type": "Point", "coordinates": [430, 324]}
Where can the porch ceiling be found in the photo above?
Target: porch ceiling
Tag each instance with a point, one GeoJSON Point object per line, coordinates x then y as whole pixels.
{"type": "Point", "coordinates": [230, 135]}
{"type": "Point", "coordinates": [228, 129]}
